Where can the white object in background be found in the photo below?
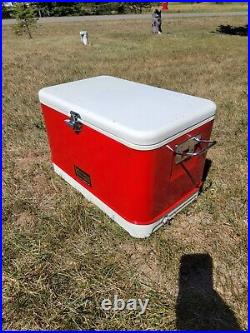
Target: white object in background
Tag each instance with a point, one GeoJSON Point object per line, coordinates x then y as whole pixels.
{"type": "Point", "coordinates": [84, 36]}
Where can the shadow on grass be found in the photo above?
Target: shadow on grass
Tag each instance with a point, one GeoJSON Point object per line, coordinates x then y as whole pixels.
{"type": "Point", "coordinates": [199, 306]}
{"type": "Point", "coordinates": [231, 30]}
{"type": "Point", "coordinates": [206, 185]}
{"type": "Point", "coordinates": [207, 167]}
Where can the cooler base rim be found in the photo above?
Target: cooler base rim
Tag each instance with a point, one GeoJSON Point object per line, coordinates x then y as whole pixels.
{"type": "Point", "coordinates": [135, 230]}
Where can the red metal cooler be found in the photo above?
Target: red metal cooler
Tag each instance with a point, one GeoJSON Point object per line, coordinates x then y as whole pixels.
{"type": "Point", "coordinates": [136, 151]}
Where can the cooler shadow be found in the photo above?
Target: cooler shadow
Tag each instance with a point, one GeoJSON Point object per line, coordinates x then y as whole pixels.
{"type": "Point", "coordinates": [199, 306]}
{"type": "Point", "coordinates": [206, 185]}
{"type": "Point", "coordinates": [207, 166]}
{"type": "Point", "coordinates": [231, 30]}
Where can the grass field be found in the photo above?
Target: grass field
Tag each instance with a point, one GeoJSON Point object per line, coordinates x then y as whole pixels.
{"type": "Point", "coordinates": [62, 255]}
{"type": "Point", "coordinates": [178, 7]}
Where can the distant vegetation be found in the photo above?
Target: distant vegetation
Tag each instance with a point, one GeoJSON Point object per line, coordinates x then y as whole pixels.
{"type": "Point", "coordinates": [80, 8]}
{"type": "Point", "coordinates": [108, 8]}
{"type": "Point", "coordinates": [25, 19]}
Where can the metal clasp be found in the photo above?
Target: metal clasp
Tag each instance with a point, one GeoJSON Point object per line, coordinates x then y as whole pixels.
{"type": "Point", "coordinates": [74, 122]}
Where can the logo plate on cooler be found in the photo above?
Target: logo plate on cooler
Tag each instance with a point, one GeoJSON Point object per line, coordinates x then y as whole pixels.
{"type": "Point", "coordinates": [83, 175]}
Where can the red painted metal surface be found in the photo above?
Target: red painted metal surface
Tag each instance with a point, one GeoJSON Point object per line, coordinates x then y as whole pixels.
{"type": "Point", "coordinates": [164, 6]}
{"type": "Point", "coordinates": [141, 186]}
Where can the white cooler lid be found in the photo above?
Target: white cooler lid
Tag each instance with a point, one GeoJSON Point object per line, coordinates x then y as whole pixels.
{"type": "Point", "coordinates": [135, 114]}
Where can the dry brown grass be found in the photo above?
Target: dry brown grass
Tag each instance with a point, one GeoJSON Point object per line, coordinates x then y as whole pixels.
{"type": "Point", "coordinates": [180, 7]}
{"type": "Point", "coordinates": [62, 255]}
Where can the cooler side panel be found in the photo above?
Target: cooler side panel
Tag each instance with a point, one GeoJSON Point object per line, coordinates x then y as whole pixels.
{"type": "Point", "coordinates": [185, 178]}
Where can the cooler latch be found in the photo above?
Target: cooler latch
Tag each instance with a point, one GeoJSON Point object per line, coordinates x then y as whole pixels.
{"type": "Point", "coordinates": [74, 122]}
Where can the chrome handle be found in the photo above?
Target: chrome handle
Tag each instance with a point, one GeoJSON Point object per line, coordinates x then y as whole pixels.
{"type": "Point", "coordinates": [199, 152]}
{"type": "Point", "coordinates": [187, 148]}
{"type": "Point", "coordinates": [212, 142]}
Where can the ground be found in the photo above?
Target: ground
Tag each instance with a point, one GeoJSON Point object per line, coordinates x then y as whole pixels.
{"type": "Point", "coordinates": [180, 7]}
{"type": "Point", "coordinates": [61, 254]}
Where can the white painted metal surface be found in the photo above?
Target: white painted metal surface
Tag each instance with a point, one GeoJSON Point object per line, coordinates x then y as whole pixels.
{"type": "Point", "coordinates": [84, 37]}
{"type": "Point", "coordinates": [138, 115]}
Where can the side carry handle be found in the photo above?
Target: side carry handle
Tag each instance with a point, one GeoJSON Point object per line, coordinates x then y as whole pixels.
{"type": "Point", "coordinates": [187, 148]}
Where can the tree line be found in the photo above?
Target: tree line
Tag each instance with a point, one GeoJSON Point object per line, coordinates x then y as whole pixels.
{"type": "Point", "coordinates": [43, 9]}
